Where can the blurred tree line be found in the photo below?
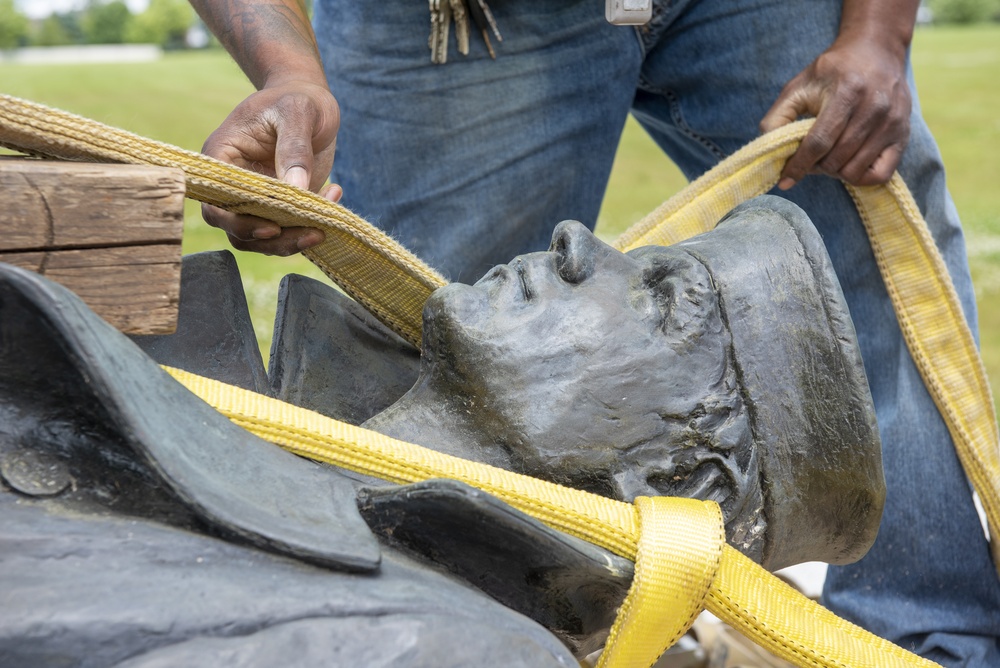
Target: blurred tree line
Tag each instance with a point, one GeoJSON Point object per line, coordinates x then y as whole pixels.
{"type": "Point", "coordinates": [964, 11]}
{"type": "Point", "coordinates": [167, 22]}
{"type": "Point", "coordinates": [164, 22]}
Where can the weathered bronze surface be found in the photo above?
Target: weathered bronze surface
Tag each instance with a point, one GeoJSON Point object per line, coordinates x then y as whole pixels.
{"type": "Point", "coordinates": [141, 526]}
{"type": "Point", "coordinates": [328, 354]}
{"type": "Point", "coordinates": [722, 368]}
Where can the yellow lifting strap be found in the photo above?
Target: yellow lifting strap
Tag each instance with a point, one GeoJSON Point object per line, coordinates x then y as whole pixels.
{"type": "Point", "coordinates": [393, 284]}
{"type": "Point", "coordinates": [678, 544]}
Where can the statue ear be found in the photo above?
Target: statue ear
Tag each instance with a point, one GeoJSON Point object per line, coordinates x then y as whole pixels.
{"type": "Point", "coordinates": [634, 481]}
{"type": "Point", "coordinates": [683, 288]}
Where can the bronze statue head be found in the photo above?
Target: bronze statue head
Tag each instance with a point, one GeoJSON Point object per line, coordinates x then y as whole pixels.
{"type": "Point", "coordinates": [721, 368]}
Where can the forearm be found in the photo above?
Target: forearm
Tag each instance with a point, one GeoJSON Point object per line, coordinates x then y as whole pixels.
{"type": "Point", "coordinates": [887, 22]}
{"type": "Point", "coordinates": [271, 40]}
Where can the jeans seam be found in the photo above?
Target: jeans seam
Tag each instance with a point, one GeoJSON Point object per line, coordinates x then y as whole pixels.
{"type": "Point", "coordinates": [678, 119]}
{"type": "Point", "coordinates": [649, 33]}
{"type": "Point", "coordinates": [642, 43]}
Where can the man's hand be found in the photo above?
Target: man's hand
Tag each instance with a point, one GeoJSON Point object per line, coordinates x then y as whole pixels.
{"type": "Point", "coordinates": [858, 92]}
{"type": "Point", "coordinates": [289, 132]}
{"type": "Point", "coordinates": [288, 128]}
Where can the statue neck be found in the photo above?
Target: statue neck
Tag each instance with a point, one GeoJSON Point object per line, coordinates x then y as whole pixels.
{"type": "Point", "coordinates": [436, 419]}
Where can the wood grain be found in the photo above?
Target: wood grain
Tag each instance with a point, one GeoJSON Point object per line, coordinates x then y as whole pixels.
{"type": "Point", "coordinates": [110, 233]}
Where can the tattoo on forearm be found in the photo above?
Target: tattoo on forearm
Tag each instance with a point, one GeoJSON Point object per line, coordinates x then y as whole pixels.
{"type": "Point", "coordinates": [253, 30]}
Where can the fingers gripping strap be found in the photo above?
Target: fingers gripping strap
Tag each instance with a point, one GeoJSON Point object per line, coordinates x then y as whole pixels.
{"type": "Point", "coordinates": [923, 296]}
{"type": "Point", "coordinates": [387, 279]}
{"type": "Point", "coordinates": [680, 548]}
{"type": "Point", "coordinates": [750, 599]}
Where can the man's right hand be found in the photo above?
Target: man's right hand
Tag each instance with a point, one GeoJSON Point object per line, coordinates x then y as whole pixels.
{"type": "Point", "coordinates": [288, 131]}
{"type": "Point", "coordinates": [288, 128]}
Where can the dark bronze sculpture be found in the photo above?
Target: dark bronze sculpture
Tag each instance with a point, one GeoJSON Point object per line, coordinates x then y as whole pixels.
{"type": "Point", "coordinates": [144, 528]}
{"type": "Point", "coordinates": [722, 368]}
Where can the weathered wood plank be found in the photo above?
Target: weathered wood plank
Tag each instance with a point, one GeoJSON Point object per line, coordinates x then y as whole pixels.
{"type": "Point", "coordinates": [136, 289]}
{"type": "Point", "coordinates": [62, 205]}
{"type": "Point", "coordinates": [110, 233]}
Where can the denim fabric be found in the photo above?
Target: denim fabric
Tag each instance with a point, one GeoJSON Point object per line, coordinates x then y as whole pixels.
{"type": "Point", "coordinates": [475, 161]}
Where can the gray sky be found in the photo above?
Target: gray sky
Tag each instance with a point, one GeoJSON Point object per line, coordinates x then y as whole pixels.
{"type": "Point", "coordinates": [40, 8]}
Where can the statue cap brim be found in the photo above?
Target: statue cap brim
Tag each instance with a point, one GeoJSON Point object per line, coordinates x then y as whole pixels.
{"type": "Point", "coordinates": [800, 369]}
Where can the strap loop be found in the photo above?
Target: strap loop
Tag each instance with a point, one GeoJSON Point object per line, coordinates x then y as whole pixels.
{"type": "Point", "coordinates": [680, 549]}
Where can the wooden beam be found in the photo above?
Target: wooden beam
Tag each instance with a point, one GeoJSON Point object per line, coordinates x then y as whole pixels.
{"type": "Point", "coordinates": [110, 233]}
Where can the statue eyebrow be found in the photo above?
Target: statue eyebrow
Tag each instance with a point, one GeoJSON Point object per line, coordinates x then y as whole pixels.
{"type": "Point", "coordinates": [518, 265]}
{"type": "Point", "coordinates": [654, 280]}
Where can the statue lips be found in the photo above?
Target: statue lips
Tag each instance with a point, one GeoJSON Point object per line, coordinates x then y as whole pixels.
{"type": "Point", "coordinates": [514, 283]}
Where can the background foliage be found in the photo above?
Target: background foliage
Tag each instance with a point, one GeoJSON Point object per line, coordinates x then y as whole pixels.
{"type": "Point", "coordinates": [13, 25]}
{"type": "Point", "coordinates": [964, 11]}
{"type": "Point", "coordinates": [163, 22]}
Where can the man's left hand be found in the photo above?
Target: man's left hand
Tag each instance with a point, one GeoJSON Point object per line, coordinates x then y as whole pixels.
{"type": "Point", "coordinates": [858, 92]}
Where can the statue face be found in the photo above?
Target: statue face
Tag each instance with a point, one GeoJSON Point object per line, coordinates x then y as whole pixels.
{"type": "Point", "coordinates": [598, 369]}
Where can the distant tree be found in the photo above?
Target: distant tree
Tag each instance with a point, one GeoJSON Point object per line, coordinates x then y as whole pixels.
{"type": "Point", "coordinates": [106, 22]}
{"type": "Point", "coordinates": [13, 25]}
{"type": "Point", "coordinates": [964, 11]}
{"type": "Point", "coordinates": [165, 22]}
{"type": "Point", "coordinates": [50, 32]}
{"type": "Point", "coordinates": [59, 30]}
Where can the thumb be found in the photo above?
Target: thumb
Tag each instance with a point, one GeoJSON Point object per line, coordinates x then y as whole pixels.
{"type": "Point", "coordinates": [293, 157]}
{"type": "Point", "coordinates": [786, 109]}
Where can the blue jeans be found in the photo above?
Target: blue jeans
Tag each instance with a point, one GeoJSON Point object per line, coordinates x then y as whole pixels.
{"type": "Point", "coordinates": [475, 161]}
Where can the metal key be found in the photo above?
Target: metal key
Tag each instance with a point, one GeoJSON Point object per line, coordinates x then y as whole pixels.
{"type": "Point", "coordinates": [483, 17]}
{"type": "Point", "coordinates": [461, 17]}
{"type": "Point", "coordinates": [440, 26]}
{"type": "Point", "coordinates": [443, 12]}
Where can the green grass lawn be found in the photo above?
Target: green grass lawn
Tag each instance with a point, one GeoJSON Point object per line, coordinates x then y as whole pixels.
{"type": "Point", "coordinates": [183, 97]}
{"type": "Point", "coordinates": [956, 71]}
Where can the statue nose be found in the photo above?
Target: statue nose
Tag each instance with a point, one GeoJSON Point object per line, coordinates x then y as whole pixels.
{"type": "Point", "coordinates": [576, 250]}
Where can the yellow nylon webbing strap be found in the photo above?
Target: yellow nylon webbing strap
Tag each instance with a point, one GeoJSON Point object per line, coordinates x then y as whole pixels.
{"type": "Point", "coordinates": [378, 272]}
{"type": "Point", "coordinates": [751, 171]}
{"type": "Point", "coordinates": [937, 335]}
{"type": "Point", "coordinates": [680, 548]}
{"type": "Point", "coordinates": [923, 296]}
{"type": "Point", "coordinates": [743, 594]}
{"type": "Point", "coordinates": [789, 625]}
